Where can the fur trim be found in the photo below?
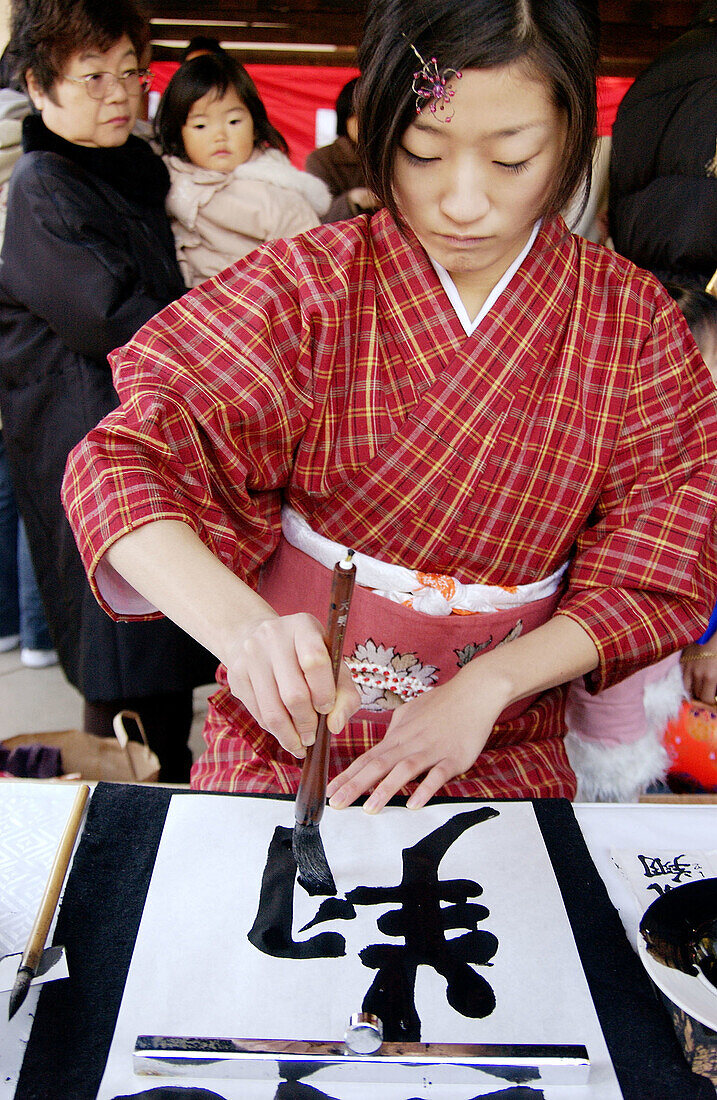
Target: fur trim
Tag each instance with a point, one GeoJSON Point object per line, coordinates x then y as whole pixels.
{"type": "Point", "coordinates": [621, 773]}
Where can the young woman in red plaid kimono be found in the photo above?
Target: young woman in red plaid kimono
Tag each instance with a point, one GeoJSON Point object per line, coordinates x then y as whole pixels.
{"type": "Point", "coordinates": [511, 426]}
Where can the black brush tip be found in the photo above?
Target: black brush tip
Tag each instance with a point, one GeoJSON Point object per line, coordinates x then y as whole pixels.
{"type": "Point", "coordinates": [310, 858]}
{"type": "Point", "coordinates": [19, 990]}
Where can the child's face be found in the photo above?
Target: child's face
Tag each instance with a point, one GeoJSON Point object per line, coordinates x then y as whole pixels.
{"type": "Point", "coordinates": [218, 133]}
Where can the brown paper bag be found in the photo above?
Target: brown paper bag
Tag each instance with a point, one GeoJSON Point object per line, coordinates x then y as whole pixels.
{"type": "Point", "coordinates": [117, 760]}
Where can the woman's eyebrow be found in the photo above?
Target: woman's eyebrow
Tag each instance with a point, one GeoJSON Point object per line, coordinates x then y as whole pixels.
{"type": "Point", "coordinates": [428, 126]}
{"type": "Point", "coordinates": [98, 56]}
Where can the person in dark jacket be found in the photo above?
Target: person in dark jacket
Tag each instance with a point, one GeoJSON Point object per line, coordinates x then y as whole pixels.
{"type": "Point", "coordinates": [339, 164]}
{"type": "Point", "coordinates": [663, 175]}
{"type": "Point", "coordinates": [88, 257]}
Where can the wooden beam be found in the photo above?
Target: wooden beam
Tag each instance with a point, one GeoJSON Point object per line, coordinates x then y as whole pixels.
{"type": "Point", "coordinates": [330, 30]}
{"type": "Point", "coordinates": [633, 31]}
{"type": "Point", "coordinates": [627, 50]}
{"type": "Point", "coordinates": [648, 13]}
{"type": "Point", "coordinates": [341, 56]}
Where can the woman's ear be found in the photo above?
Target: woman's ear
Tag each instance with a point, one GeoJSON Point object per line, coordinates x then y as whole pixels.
{"type": "Point", "coordinates": [34, 90]}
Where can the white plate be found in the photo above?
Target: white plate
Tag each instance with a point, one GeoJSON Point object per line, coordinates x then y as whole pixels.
{"type": "Point", "coordinates": [694, 995]}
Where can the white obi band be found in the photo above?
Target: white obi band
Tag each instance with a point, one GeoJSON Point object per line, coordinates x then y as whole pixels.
{"type": "Point", "coordinates": [429, 593]}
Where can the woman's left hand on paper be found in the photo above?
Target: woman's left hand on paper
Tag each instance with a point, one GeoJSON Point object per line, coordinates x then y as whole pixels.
{"type": "Point", "coordinates": [438, 736]}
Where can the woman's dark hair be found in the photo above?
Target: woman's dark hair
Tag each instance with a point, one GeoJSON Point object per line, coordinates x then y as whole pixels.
{"type": "Point", "coordinates": [45, 34]}
{"type": "Point", "coordinates": [556, 39]}
{"type": "Point", "coordinates": [698, 308]}
{"type": "Point", "coordinates": [192, 80]}
{"type": "Point", "coordinates": [345, 106]}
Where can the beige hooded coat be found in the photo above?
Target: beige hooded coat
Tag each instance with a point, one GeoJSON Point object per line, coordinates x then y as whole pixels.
{"type": "Point", "coordinates": [218, 217]}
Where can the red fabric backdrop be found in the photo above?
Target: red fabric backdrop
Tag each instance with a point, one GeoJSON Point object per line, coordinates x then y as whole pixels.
{"type": "Point", "coordinates": [293, 93]}
{"type": "Point", "coordinates": [610, 90]}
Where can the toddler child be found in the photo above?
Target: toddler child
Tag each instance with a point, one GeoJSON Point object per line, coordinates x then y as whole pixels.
{"type": "Point", "coordinates": [233, 186]}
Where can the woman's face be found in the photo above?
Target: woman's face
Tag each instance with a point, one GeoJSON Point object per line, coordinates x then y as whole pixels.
{"type": "Point", "coordinates": [471, 189]}
{"type": "Point", "coordinates": [219, 132]}
{"type": "Point", "coordinates": [72, 113]}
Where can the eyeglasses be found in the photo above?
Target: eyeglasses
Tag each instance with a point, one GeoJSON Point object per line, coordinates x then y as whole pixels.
{"type": "Point", "coordinates": [99, 85]}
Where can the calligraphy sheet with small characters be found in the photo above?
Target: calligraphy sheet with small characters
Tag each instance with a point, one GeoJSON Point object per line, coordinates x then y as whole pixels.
{"type": "Point", "coordinates": [448, 924]}
{"type": "Point", "coordinates": [654, 870]}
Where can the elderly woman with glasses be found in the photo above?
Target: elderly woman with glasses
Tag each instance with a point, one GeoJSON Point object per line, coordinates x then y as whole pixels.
{"type": "Point", "coordinates": [88, 257]}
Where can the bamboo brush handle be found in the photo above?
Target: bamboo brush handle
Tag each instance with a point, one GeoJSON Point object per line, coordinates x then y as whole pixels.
{"type": "Point", "coordinates": [311, 795]}
{"type": "Point", "coordinates": [38, 934]}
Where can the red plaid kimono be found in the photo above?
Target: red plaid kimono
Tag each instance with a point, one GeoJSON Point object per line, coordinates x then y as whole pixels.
{"type": "Point", "coordinates": [578, 422]}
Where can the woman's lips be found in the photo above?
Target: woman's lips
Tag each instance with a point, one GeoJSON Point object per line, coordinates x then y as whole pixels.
{"type": "Point", "coordinates": [463, 242]}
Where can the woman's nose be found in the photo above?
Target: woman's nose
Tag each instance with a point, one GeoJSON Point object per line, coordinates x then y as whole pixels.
{"type": "Point", "coordinates": [117, 92]}
{"type": "Point", "coordinates": [465, 198]}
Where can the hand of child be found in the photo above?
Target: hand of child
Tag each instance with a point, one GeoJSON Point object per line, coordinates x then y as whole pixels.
{"type": "Point", "coordinates": [281, 671]}
{"type": "Point", "coordinates": [699, 673]}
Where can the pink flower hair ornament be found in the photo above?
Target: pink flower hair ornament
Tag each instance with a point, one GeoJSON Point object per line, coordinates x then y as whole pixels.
{"type": "Point", "coordinates": [431, 86]}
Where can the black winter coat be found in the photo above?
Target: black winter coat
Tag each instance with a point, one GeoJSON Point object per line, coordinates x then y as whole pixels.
{"type": "Point", "coordinates": [88, 257]}
{"type": "Point", "coordinates": [663, 173]}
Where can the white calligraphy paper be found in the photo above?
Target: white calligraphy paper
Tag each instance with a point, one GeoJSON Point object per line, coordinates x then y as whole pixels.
{"type": "Point", "coordinates": [194, 972]}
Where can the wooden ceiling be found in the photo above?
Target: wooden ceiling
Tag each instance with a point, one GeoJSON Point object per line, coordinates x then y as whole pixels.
{"type": "Point", "coordinates": [317, 32]}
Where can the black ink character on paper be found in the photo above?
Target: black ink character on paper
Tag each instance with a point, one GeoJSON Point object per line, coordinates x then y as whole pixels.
{"type": "Point", "coordinates": [173, 1092]}
{"type": "Point", "coordinates": [672, 869]}
{"type": "Point", "coordinates": [295, 1091]}
{"type": "Point", "coordinates": [427, 908]}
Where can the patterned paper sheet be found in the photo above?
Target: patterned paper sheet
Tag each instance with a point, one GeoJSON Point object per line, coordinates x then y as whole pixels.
{"type": "Point", "coordinates": [32, 817]}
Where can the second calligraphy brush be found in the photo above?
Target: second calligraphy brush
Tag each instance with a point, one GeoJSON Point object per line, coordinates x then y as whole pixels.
{"type": "Point", "coordinates": [35, 945]}
{"type": "Point", "coordinates": [314, 871]}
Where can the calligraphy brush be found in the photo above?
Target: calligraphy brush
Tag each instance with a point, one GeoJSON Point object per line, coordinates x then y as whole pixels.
{"type": "Point", "coordinates": [314, 871]}
{"type": "Point", "coordinates": [38, 934]}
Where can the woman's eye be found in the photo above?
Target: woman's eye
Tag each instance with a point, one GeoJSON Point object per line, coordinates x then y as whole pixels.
{"type": "Point", "coordinates": [94, 80]}
{"type": "Point", "coordinates": [415, 159]}
{"type": "Point", "coordinates": [518, 166]}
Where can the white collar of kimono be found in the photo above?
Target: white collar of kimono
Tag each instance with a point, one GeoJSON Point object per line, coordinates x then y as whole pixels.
{"type": "Point", "coordinates": [455, 299]}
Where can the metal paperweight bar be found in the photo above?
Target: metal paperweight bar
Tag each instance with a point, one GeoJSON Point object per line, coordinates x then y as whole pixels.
{"type": "Point", "coordinates": [399, 1063]}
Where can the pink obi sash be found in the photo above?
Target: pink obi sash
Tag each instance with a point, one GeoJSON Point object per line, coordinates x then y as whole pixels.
{"type": "Point", "coordinates": [394, 654]}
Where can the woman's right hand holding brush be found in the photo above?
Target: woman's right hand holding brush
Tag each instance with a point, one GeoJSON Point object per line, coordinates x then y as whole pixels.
{"type": "Point", "coordinates": [280, 668]}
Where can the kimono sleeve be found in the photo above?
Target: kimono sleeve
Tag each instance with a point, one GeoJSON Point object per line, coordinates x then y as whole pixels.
{"type": "Point", "coordinates": [63, 264]}
{"type": "Point", "coordinates": [215, 392]}
{"type": "Point", "coordinates": [644, 577]}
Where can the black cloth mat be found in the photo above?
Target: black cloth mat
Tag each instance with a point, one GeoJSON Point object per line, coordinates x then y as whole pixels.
{"type": "Point", "coordinates": [101, 913]}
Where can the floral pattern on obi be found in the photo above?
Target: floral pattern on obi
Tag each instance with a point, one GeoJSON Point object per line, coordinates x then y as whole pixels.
{"type": "Point", "coordinates": [385, 678]}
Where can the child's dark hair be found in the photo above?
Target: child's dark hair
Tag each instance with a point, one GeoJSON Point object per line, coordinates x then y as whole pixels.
{"type": "Point", "coordinates": [556, 39]}
{"type": "Point", "coordinates": [46, 34]}
{"type": "Point", "coordinates": [345, 106]}
{"type": "Point", "coordinates": [201, 43]}
{"type": "Point", "coordinates": [698, 308]}
{"type": "Point", "coordinates": [192, 80]}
